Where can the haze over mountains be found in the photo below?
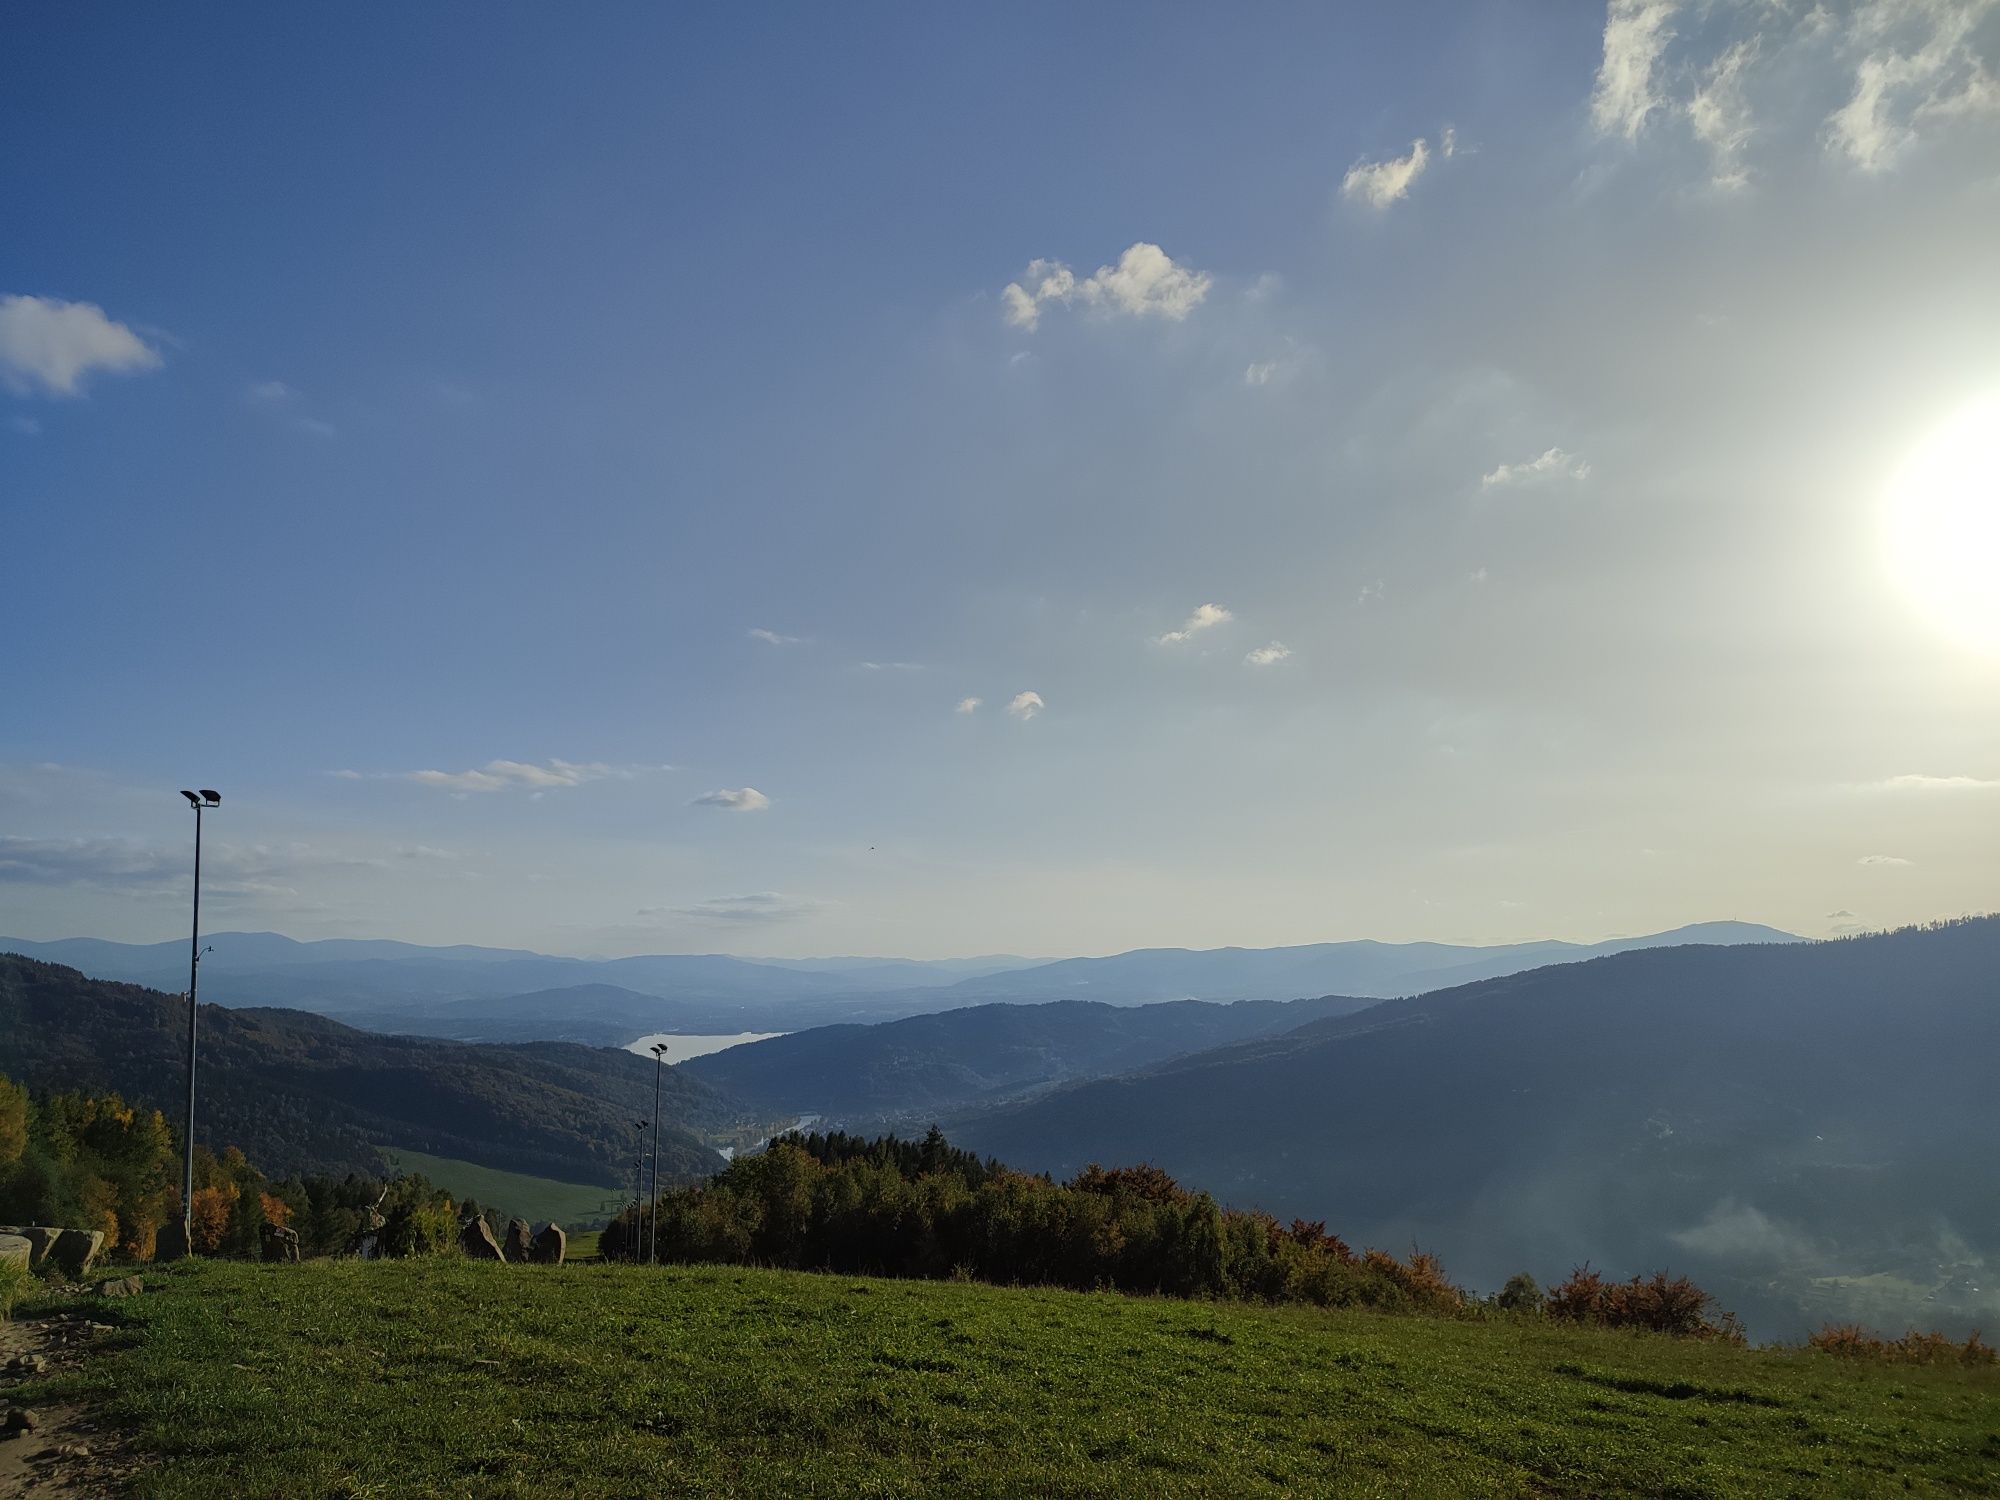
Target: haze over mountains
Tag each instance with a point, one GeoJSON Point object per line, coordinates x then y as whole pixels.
{"type": "Point", "coordinates": [1809, 1129]}
{"type": "Point", "coordinates": [492, 994]}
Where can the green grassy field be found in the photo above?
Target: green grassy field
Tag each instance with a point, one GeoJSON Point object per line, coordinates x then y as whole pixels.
{"type": "Point", "coordinates": [447, 1377]}
{"type": "Point", "coordinates": [514, 1193]}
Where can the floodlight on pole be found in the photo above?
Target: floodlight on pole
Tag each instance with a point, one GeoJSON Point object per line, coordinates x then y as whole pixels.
{"type": "Point", "coordinates": [201, 803]}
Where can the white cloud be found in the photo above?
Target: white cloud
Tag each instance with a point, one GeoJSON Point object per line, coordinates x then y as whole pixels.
{"type": "Point", "coordinates": [739, 911]}
{"type": "Point", "coordinates": [1205, 617]}
{"type": "Point", "coordinates": [774, 638]}
{"type": "Point", "coordinates": [735, 799]}
{"type": "Point", "coordinates": [968, 705]}
{"type": "Point", "coordinates": [1380, 183]}
{"type": "Point", "coordinates": [29, 426]}
{"type": "Point", "coordinates": [892, 666]}
{"type": "Point", "coordinates": [1635, 36]}
{"type": "Point", "coordinates": [1146, 282]}
{"type": "Point", "coordinates": [505, 775]}
{"type": "Point", "coordinates": [1268, 656]}
{"type": "Point", "coordinates": [269, 393]}
{"type": "Point", "coordinates": [1917, 64]}
{"type": "Point", "coordinates": [1026, 705]}
{"type": "Point", "coordinates": [1881, 859]}
{"type": "Point", "coordinates": [1553, 464]}
{"type": "Point", "coordinates": [1719, 115]}
{"type": "Point", "coordinates": [1938, 784]}
{"type": "Point", "coordinates": [53, 346]}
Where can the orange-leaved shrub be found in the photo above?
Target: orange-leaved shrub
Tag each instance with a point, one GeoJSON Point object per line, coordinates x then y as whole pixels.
{"type": "Point", "coordinates": [1658, 1303]}
{"type": "Point", "coordinates": [1852, 1341]}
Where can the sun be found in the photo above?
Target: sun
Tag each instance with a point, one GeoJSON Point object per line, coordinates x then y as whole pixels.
{"type": "Point", "coordinates": [1942, 538]}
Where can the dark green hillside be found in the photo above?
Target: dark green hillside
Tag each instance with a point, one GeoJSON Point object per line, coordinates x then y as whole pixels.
{"type": "Point", "coordinates": [303, 1094]}
{"type": "Point", "coordinates": [446, 1377]}
{"type": "Point", "coordinates": [910, 1070]}
{"type": "Point", "coordinates": [1808, 1129]}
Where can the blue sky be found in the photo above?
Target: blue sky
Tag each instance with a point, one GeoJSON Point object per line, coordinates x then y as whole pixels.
{"type": "Point", "coordinates": [409, 419]}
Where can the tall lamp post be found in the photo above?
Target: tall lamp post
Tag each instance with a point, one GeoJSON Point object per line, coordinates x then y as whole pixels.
{"type": "Point", "coordinates": [639, 1192]}
{"type": "Point", "coordinates": [659, 1071]}
{"type": "Point", "coordinates": [200, 801]}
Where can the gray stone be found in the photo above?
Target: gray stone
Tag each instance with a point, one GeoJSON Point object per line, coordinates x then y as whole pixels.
{"type": "Point", "coordinates": [550, 1245]}
{"type": "Point", "coordinates": [475, 1238]}
{"type": "Point", "coordinates": [19, 1419]}
{"type": "Point", "coordinates": [520, 1242]}
{"type": "Point", "coordinates": [121, 1286]}
{"type": "Point", "coordinates": [38, 1236]}
{"type": "Point", "coordinates": [16, 1250]}
{"type": "Point", "coordinates": [75, 1249]}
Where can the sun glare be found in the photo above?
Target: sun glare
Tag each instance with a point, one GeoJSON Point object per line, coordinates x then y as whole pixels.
{"type": "Point", "coordinates": [1943, 525]}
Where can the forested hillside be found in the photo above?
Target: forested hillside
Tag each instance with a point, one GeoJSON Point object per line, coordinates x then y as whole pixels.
{"type": "Point", "coordinates": [908, 1071]}
{"type": "Point", "coordinates": [1808, 1129]}
{"type": "Point", "coordinates": [299, 1093]}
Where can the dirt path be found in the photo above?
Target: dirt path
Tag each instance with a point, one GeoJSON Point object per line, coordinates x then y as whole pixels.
{"type": "Point", "coordinates": [66, 1453]}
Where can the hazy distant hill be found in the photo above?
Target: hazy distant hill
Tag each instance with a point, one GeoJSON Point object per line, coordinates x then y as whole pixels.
{"type": "Point", "coordinates": [1783, 1120]}
{"type": "Point", "coordinates": [1383, 970]}
{"type": "Point", "coordinates": [906, 1072]}
{"type": "Point", "coordinates": [501, 994]}
{"type": "Point", "coordinates": [301, 1093]}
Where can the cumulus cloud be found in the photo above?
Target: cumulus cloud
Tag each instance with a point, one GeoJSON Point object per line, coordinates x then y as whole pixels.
{"type": "Point", "coordinates": [1205, 617]}
{"type": "Point", "coordinates": [774, 638]}
{"type": "Point", "coordinates": [1880, 859]}
{"type": "Point", "coordinates": [1268, 656]}
{"type": "Point", "coordinates": [1025, 705]}
{"type": "Point", "coordinates": [734, 799]}
{"type": "Point", "coordinates": [1636, 34]}
{"type": "Point", "coordinates": [968, 705]}
{"type": "Point", "coordinates": [1380, 183]}
{"type": "Point", "coordinates": [54, 346]}
{"type": "Point", "coordinates": [1553, 464]}
{"type": "Point", "coordinates": [1146, 283]}
{"type": "Point", "coordinates": [1908, 69]}
{"type": "Point", "coordinates": [1917, 64]}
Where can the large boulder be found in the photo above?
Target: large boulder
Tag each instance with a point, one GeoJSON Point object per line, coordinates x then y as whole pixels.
{"type": "Point", "coordinates": [75, 1249]}
{"type": "Point", "coordinates": [475, 1238]}
{"type": "Point", "coordinates": [38, 1236]}
{"type": "Point", "coordinates": [16, 1250]}
{"type": "Point", "coordinates": [520, 1244]}
{"type": "Point", "coordinates": [550, 1245]}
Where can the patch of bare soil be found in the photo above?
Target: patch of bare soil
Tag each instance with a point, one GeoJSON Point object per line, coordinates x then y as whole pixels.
{"type": "Point", "coordinates": [50, 1451]}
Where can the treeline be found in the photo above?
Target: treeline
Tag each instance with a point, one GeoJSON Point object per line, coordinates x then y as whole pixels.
{"type": "Point", "coordinates": [925, 1209]}
{"type": "Point", "coordinates": [78, 1160]}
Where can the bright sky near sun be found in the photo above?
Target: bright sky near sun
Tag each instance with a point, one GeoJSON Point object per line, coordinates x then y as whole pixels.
{"type": "Point", "coordinates": [804, 479]}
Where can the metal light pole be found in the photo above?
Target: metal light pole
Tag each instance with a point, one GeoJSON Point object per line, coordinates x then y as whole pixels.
{"type": "Point", "coordinates": [659, 1071]}
{"type": "Point", "coordinates": [639, 1192]}
{"type": "Point", "coordinates": [200, 802]}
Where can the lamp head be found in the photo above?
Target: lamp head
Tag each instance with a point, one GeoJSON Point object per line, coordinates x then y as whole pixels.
{"type": "Point", "coordinates": [213, 799]}
{"type": "Point", "coordinates": [193, 800]}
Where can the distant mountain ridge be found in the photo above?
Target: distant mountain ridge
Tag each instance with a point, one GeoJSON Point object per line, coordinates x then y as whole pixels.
{"type": "Point", "coordinates": [399, 987]}
{"type": "Point", "coordinates": [1809, 1127]}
